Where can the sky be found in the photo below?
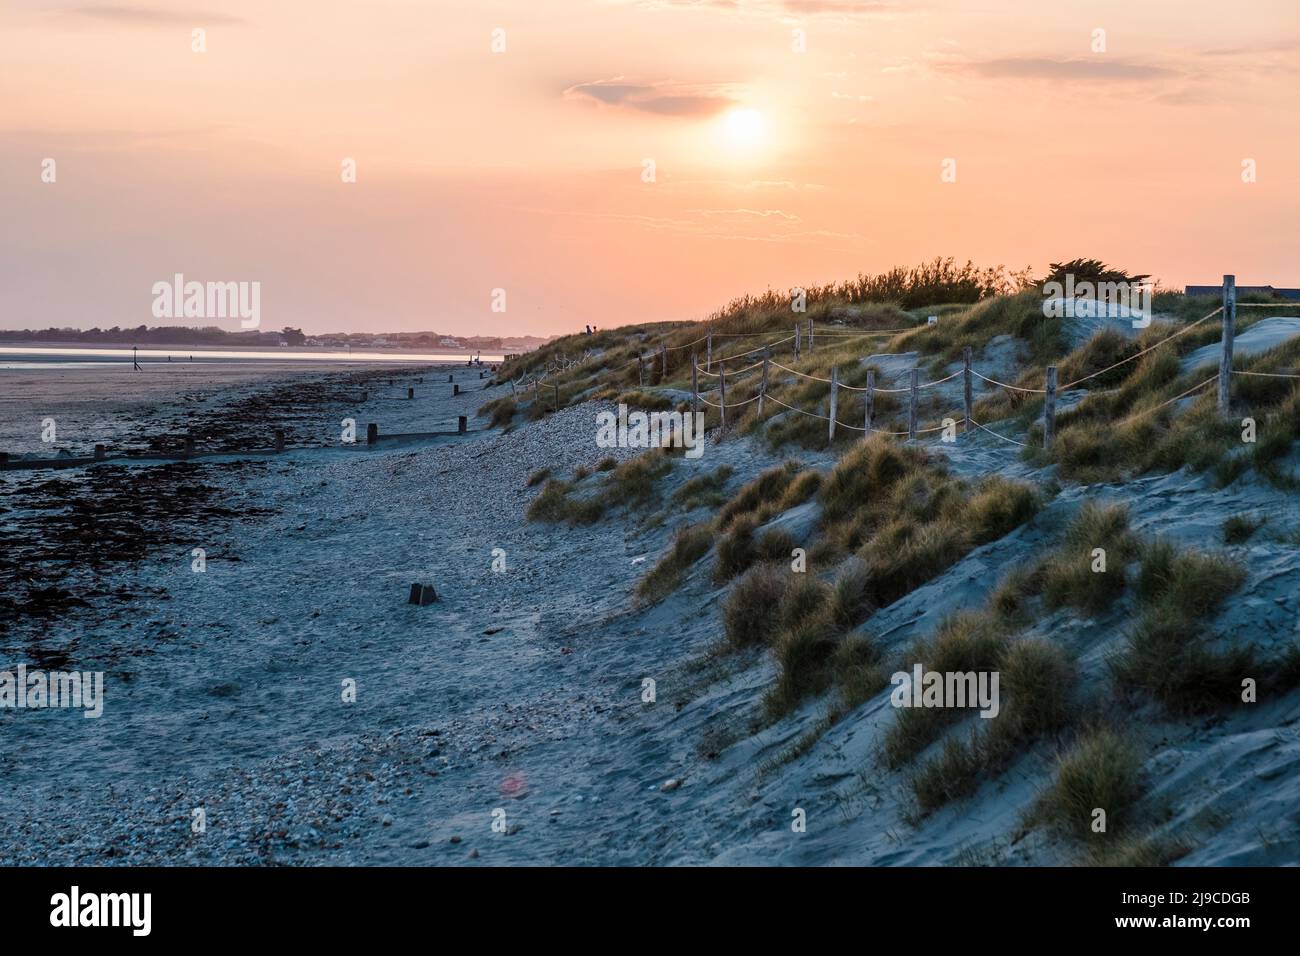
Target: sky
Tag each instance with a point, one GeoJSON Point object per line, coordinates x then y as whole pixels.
{"type": "Point", "coordinates": [614, 161]}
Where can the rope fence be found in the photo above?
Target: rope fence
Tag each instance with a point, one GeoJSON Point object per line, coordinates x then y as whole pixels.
{"type": "Point", "coordinates": [807, 334]}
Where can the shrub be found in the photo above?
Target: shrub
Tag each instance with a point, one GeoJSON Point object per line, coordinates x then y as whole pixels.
{"type": "Point", "coordinates": [537, 477]}
{"type": "Point", "coordinates": [735, 549]}
{"type": "Point", "coordinates": [703, 490]}
{"type": "Point", "coordinates": [867, 471]}
{"type": "Point", "coordinates": [922, 553]}
{"type": "Point", "coordinates": [803, 652]}
{"type": "Point", "coordinates": [689, 545]}
{"type": "Point", "coordinates": [1239, 528]}
{"type": "Point", "coordinates": [760, 496]}
{"type": "Point", "coordinates": [803, 487]}
{"type": "Point", "coordinates": [851, 597]}
{"type": "Point", "coordinates": [635, 482]}
{"type": "Point", "coordinates": [774, 544]}
{"type": "Point", "coordinates": [1190, 583]}
{"type": "Point", "coordinates": [857, 671]}
{"type": "Point", "coordinates": [804, 599]}
{"type": "Point", "coordinates": [966, 641]}
{"type": "Point", "coordinates": [1036, 677]}
{"type": "Point", "coordinates": [502, 411]}
{"type": "Point", "coordinates": [552, 504]}
{"type": "Point", "coordinates": [999, 507]}
{"type": "Point", "coordinates": [1102, 771]}
{"type": "Point", "coordinates": [751, 612]}
{"type": "Point", "coordinates": [1068, 577]}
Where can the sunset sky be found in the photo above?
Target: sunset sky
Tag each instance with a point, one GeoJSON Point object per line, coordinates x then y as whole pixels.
{"type": "Point", "coordinates": [523, 169]}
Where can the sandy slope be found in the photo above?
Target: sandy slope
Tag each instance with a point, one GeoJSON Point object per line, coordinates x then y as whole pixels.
{"type": "Point", "coordinates": [521, 691]}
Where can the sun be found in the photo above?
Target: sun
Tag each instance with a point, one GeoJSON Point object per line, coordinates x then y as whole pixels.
{"type": "Point", "coordinates": [744, 130]}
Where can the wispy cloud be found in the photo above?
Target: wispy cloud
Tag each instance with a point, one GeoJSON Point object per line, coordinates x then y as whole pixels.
{"type": "Point", "coordinates": [661, 98]}
{"type": "Point", "coordinates": [1097, 69]}
{"type": "Point", "coordinates": [126, 15]}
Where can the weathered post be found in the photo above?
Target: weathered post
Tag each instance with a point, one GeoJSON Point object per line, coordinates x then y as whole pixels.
{"type": "Point", "coordinates": [762, 386]}
{"type": "Point", "coordinates": [966, 378]}
{"type": "Point", "coordinates": [695, 386]}
{"type": "Point", "coordinates": [455, 389]}
{"type": "Point", "coordinates": [1225, 356]}
{"type": "Point", "coordinates": [279, 440]}
{"type": "Point", "coordinates": [796, 341]}
{"type": "Point", "coordinates": [462, 424]}
{"type": "Point", "coordinates": [555, 405]}
{"type": "Point", "coordinates": [1049, 407]}
{"type": "Point", "coordinates": [663, 353]}
{"type": "Point", "coordinates": [640, 370]}
{"type": "Point", "coordinates": [722, 389]}
{"type": "Point", "coordinates": [913, 399]}
{"type": "Point", "coordinates": [810, 335]}
{"type": "Point", "coordinates": [708, 353]}
{"type": "Point", "coordinates": [410, 393]}
{"type": "Point", "coordinates": [835, 392]}
{"type": "Point", "coordinates": [372, 433]}
{"type": "Point", "coordinates": [99, 453]}
{"type": "Point", "coordinates": [869, 404]}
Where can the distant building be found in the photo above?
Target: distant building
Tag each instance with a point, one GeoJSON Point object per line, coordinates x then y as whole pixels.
{"type": "Point", "coordinates": [448, 342]}
{"type": "Point", "coordinates": [1243, 290]}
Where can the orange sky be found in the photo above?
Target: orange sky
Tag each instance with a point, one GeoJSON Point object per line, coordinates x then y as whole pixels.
{"type": "Point", "coordinates": [522, 169]}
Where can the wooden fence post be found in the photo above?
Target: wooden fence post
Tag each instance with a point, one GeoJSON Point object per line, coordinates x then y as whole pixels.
{"type": "Point", "coordinates": [913, 398]}
{"type": "Point", "coordinates": [695, 385]}
{"type": "Point", "coordinates": [1049, 407]}
{"type": "Point", "coordinates": [722, 388]}
{"type": "Point", "coordinates": [556, 406]}
{"type": "Point", "coordinates": [869, 404]}
{"type": "Point", "coordinates": [462, 423]}
{"type": "Point", "coordinates": [708, 354]}
{"type": "Point", "coordinates": [796, 341]}
{"type": "Point", "coordinates": [410, 393]}
{"type": "Point", "coordinates": [372, 433]}
{"type": "Point", "coordinates": [967, 379]}
{"type": "Point", "coordinates": [810, 335]}
{"type": "Point", "coordinates": [663, 352]}
{"type": "Point", "coordinates": [640, 370]}
{"type": "Point", "coordinates": [762, 386]}
{"type": "Point", "coordinates": [279, 442]}
{"type": "Point", "coordinates": [835, 392]}
{"type": "Point", "coordinates": [1225, 356]}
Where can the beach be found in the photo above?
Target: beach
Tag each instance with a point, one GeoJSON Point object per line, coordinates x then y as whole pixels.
{"type": "Point", "coordinates": [292, 699]}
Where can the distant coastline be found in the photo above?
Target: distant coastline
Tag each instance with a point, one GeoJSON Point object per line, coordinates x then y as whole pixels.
{"type": "Point", "coordinates": [157, 352]}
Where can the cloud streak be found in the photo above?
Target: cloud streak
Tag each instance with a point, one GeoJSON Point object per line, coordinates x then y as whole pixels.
{"type": "Point", "coordinates": [1094, 70]}
{"type": "Point", "coordinates": [662, 99]}
{"type": "Point", "coordinates": [125, 15]}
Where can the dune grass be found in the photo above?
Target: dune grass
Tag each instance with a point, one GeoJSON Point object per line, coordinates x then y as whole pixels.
{"type": "Point", "coordinates": [704, 491]}
{"type": "Point", "coordinates": [761, 497]}
{"type": "Point", "coordinates": [690, 544]}
{"type": "Point", "coordinates": [1089, 571]}
{"type": "Point", "coordinates": [630, 484]}
{"type": "Point", "coordinates": [1103, 771]}
{"type": "Point", "coordinates": [1167, 655]}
